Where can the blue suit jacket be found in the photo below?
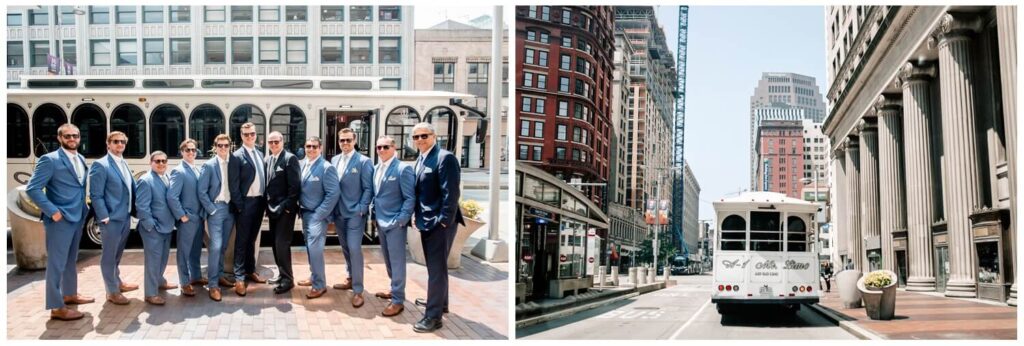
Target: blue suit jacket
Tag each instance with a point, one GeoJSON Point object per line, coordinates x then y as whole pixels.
{"type": "Point", "coordinates": [437, 190]}
{"type": "Point", "coordinates": [209, 183]}
{"type": "Point", "coordinates": [319, 189]}
{"type": "Point", "coordinates": [151, 203]}
{"type": "Point", "coordinates": [64, 192]}
{"type": "Point", "coordinates": [356, 185]}
{"type": "Point", "coordinates": [395, 197]}
{"type": "Point", "coordinates": [183, 196]}
{"type": "Point", "coordinates": [110, 195]}
{"type": "Point", "coordinates": [241, 173]}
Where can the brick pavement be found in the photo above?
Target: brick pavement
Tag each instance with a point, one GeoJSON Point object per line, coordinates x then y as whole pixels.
{"type": "Point", "coordinates": [930, 316]}
{"type": "Point", "coordinates": [479, 305]}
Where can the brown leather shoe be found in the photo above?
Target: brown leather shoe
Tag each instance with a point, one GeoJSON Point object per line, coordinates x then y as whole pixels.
{"type": "Point", "coordinates": [65, 314]}
{"type": "Point", "coordinates": [187, 290]}
{"type": "Point", "coordinates": [305, 282]}
{"type": "Point", "coordinates": [357, 300]}
{"type": "Point", "coordinates": [168, 286]}
{"type": "Point", "coordinates": [215, 294]}
{"type": "Point", "coordinates": [224, 282]}
{"type": "Point", "coordinates": [392, 310]}
{"type": "Point", "coordinates": [383, 295]}
{"type": "Point", "coordinates": [155, 300]}
{"type": "Point", "coordinates": [128, 287]}
{"type": "Point", "coordinates": [78, 299]}
{"type": "Point", "coordinates": [200, 282]}
{"type": "Point", "coordinates": [347, 285]}
{"type": "Point", "coordinates": [240, 288]}
{"type": "Point", "coordinates": [117, 299]}
{"type": "Point", "coordinates": [255, 278]}
{"type": "Point", "coordinates": [313, 294]}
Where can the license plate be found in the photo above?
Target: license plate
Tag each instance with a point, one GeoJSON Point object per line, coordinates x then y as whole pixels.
{"type": "Point", "coordinates": [766, 291]}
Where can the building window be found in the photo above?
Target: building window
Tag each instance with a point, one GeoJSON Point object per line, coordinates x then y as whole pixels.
{"type": "Point", "coordinates": [295, 13]}
{"type": "Point", "coordinates": [563, 84]}
{"type": "Point", "coordinates": [527, 79]}
{"type": "Point", "coordinates": [216, 50]}
{"type": "Point", "coordinates": [576, 154]}
{"type": "Point", "coordinates": [360, 50]}
{"type": "Point", "coordinates": [477, 83]}
{"type": "Point", "coordinates": [214, 14]}
{"type": "Point", "coordinates": [577, 135]}
{"type": "Point", "coordinates": [563, 108]}
{"type": "Point", "coordinates": [542, 58]}
{"type": "Point", "coordinates": [538, 128]}
{"type": "Point", "coordinates": [330, 50]}
{"type": "Point", "coordinates": [542, 81]}
{"type": "Point", "coordinates": [544, 37]}
{"type": "Point", "coordinates": [241, 13]}
{"type": "Point", "coordinates": [524, 128]}
{"type": "Point", "coordinates": [444, 76]}
{"type": "Point", "coordinates": [536, 153]}
{"type": "Point", "coordinates": [332, 13]}
{"type": "Point", "coordinates": [566, 62]}
{"type": "Point", "coordinates": [241, 50]}
{"type": "Point", "coordinates": [390, 84]}
{"type": "Point", "coordinates": [545, 13]}
{"type": "Point", "coordinates": [388, 50]}
{"type": "Point", "coordinates": [539, 106]}
{"type": "Point", "coordinates": [98, 15]}
{"type": "Point", "coordinates": [527, 105]}
{"type": "Point", "coordinates": [531, 35]}
{"type": "Point", "coordinates": [528, 56]}
{"type": "Point", "coordinates": [153, 14]}
{"type": "Point", "coordinates": [127, 52]}
{"type": "Point", "coordinates": [14, 19]}
{"type": "Point", "coordinates": [567, 41]}
{"type": "Point", "coordinates": [523, 151]}
{"type": "Point", "coordinates": [270, 50]}
{"type": "Point", "coordinates": [69, 51]}
{"type": "Point", "coordinates": [360, 13]}
{"type": "Point", "coordinates": [296, 50]}
{"type": "Point", "coordinates": [560, 132]}
{"type": "Point", "coordinates": [39, 16]}
{"type": "Point", "coordinates": [153, 51]}
{"type": "Point", "coordinates": [181, 51]}
{"type": "Point", "coordinates": [389, 13]}
{"type": "Point", "coordinates": [15, 54]}
{"type": "Point", "coordinates": [126, 14]}
{"type": "Point", "coordinates": [180, 14]}
{"type": "Point", "coordinates": [270, 13]}
{"type": "Point", "coordinates": [67, 16]}
{"type": "Point", "coordinates": [566, 17]}
{"type": "Point", "coordinates": [100, 50]}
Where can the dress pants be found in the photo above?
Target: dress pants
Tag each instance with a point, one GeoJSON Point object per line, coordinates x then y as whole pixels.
{"type": "Point", "coordinates": [62, 240]}
{"type": "Point", "coordinates": [282, 230]}
{"type": "Point", "coordinates": [350, 236]}
{"type": "Point", "coordinates": [246, 230]}
{"type": "Point", "coordinates": [437, 244]}
{"type": "Point", "coordinates": [392, 246]}
{"type": "Point", "coordinates": [189, 248]}
{"type": "Point", "coordinates": [219, 225]}
{"type": "Point", "coordinates": [114, 236]}
{"type": "Point", "coordinates": [156, 249]}
{"type": "Point", "coordinates": [314, 232]}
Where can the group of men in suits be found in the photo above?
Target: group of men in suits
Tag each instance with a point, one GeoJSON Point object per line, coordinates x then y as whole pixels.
{"type": "Point", "coordinates": [234, 190]}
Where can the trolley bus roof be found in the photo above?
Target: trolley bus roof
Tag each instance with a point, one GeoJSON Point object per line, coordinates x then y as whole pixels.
{"type": "Point", "coordinates": [761, 198]}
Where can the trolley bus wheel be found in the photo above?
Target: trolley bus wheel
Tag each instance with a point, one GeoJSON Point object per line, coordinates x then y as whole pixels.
{"type": "Point", "coordinates": [725, 309]}
{"type": "Point", "coordinates": [92, 232]}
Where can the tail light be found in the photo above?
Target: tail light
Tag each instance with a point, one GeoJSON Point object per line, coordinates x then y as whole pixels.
{"type": "Point", "coordinates": [721, 288]}
{"type": "Point", "coordinates": [795, 288]}
{"type": "Point", "coordinates": [809, 289]}
{"type": "Point", "coordinates": [736, 288]}
{"type": "Point", "coordinates": [802, 288]}
{"type": "Point", "coordinates": [728, 288]}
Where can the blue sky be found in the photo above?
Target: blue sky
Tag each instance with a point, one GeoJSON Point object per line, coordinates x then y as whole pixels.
{"type": "Point", "coordinates": [728, 49]}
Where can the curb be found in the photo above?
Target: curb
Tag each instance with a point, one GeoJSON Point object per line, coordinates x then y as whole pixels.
{"type": "Point", "coordinates": [571, 311]}
{"type": "Point", "coordinates": [849, 326]}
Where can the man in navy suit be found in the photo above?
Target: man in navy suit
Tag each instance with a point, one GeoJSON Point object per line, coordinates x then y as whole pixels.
{"type": "Point", "coordinates": [156, 222]}
{"type": "Point", "coordinates": [215, 195]}
{"type": "Point", "coordinates": [247, 182]}
{"type": "Point", "coordinates": [112, 191]}
{"type": "Point", "coordinates": [355, 172]}
{"type": "Point", "coordinates": [319, 194]}
{"type": "Point", "coordinates": [183, 199]}
{"type": "Point", "coordinates": [394, 184]}
{"type": "Point", "coordinates": [437, 218]}
{"type": "Point", "coordinates": [283, 186]}
{"type": "Point", "coordinates": [62, 173]}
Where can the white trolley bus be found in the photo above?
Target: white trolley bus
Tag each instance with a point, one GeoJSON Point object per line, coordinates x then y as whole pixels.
{"type": "Point", "coordinates": [764, 252]}
{"type": "Point", "coordinates": [158, 112]}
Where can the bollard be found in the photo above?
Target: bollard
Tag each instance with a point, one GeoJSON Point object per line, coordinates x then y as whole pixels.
{"type": "Point", "coordinates": [615, 275]}
{"type": "Point", "coordinates": [652, 275]}
{"type": "Point", "coordinates": [600, 277]}
{"type": "Point", "coordinates": [633, 275]}
{"type": "Point", "coordinates": [667, 272]}
{"type": "Point", "coordinates": [642, 275]}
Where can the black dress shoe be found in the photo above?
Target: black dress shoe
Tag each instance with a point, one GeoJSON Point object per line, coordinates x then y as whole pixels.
{"type": "Point", "coordinates": [427, 325]}
{"type": "Point", "coordinates": [283, 288]}
{"type": "Point", "coordinates": [423, 302]}
{"type": "Point", "coordinates": [274, 280]}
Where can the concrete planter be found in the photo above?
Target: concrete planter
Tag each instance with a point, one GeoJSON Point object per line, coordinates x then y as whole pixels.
{"type": "Point", "coordinates": [879, 303]}
{"type": "Point", "coordinates": [27, 232]}
{"type": "Point", "coordinates": [455, 256]}
{"type": "Point", "coordinates": [846, 282]}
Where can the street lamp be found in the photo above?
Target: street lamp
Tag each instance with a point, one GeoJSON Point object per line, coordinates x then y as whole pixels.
{"type": "Point", "coordinates": [657, 205]}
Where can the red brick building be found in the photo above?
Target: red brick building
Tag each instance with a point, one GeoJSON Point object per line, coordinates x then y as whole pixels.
{"type": "Point", "coordinates": [780, 147]}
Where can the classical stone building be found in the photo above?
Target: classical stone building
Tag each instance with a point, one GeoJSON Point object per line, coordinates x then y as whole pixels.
{"type": "Point", "coordinates": [922, 122]}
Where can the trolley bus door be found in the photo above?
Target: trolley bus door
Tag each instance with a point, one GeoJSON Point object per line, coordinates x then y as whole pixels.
{"type": "Point", "coordinates": [332, 121]}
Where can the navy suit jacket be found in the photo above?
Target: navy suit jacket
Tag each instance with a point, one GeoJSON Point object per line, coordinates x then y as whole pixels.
{"type": "Point", "coordinates": [437, 190]}
{"type": "Point", "coordinates": [64, 192]}
{"type": "Point", "coordinates": [110, 195]}
{"type": "Point", "coordinates": [356, 185]}
{"type": "Point", "coordinates": [283, 190]}
{"type": "Point", "coordinates": [241, 173]}
{"type": "Point", "coordinates": [319, 189]}
{"type": "Point", "coordinates": [183, 196]}
{"type": "Point", "coordinates": [395, 197]}
{"type": "Point", "coordinates": [151, 203]}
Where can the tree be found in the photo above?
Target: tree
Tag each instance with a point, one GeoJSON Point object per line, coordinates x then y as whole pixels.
{"type": "Point", "coordinates": [667, 249]}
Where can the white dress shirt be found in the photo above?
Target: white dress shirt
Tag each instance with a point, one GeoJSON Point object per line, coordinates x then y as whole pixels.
{"type": "Point", "coordinates": [256, 188]}
{"type": "Point", "coordinates": [379, 173]}
{"type": "Point", "coordinates": [225, 193]}
{"type": "Point", "coordinates": [79, 170]}
{"type": "Point", "coordinates": [343, 163]}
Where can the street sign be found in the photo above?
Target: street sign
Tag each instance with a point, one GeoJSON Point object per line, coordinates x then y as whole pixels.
{"type": "Point", "coordinates": [591, 260]}
{"type": "Point", "coordinates": [591, 232]}
{"type": "Point", "coordinates": [563, 258]}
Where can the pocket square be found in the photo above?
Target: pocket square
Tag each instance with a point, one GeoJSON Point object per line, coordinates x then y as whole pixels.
{"type": "Point", "coordinates": [354, 170]}
{"type": "Point", "coordinates": [392, 178]}
{"type": "Point", "coordinates": [315, 179]}
{"type": "Point", "coordinates": [428, 170]}
{"type": "Point", "coordinates": [279, 169]}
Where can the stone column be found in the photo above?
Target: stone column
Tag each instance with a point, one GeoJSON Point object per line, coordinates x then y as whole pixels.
{"type": "Point", "coordinates": [870, 223]}
{"type": "Point", "coordinates": [853, 214]}
{"type": "Point", "coordinates": [962, 182]}
{"type": "Point", "coordinates": [917, 114]}
{"type": "Point", "coordinates": [839, 206]}
{"type": "Point", "coordinates": [892, 204]}
{"type": "Point", "coordinates": [1006, 24]}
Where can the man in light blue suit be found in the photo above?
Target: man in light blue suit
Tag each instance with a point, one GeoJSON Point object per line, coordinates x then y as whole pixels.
{"type": "Point", "coordinates": [394, 184]}
{"type": "Point", "coordinates": [317, 199]}
{"type": "Point", "coordinates": [155, 226]}
{"type": "Point", "coordinates": [355, 173]}
{"type": "Point", "coordinates": [215, 195]}
{"type": "Point", "coordinates": [183, 199]}
{"type": "Point", "coordinates": [112, 191]}
{"type": "Point", "coordinates": [62, 175]}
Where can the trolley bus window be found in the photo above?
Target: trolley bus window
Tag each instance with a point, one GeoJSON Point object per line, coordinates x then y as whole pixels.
{"type": "Point", "coordinates": [168, 125]}
{"type": "Point", "coordinates": [227, 83]}
{"type": "Point", "coordinates": [45, 121]}
{"type": "Point", "coordinates": [765, 231]}
{"type": "Point", "coordinates": [93, 124]}
{"type": "Point", "coordinates": [129, 119]}
{"type": "Point", "coordinates": [734, 233]}
{"type": "Point", "coordinates": [291, 123]}
{"type": "Point", "coordinates": [206, 122]}
{"type": "Point", "coordinates": [109, 83]}
{"type": "Point", "coordinates": [796, 234]}
{"type": "Point", "coordinates": [443, 119]}
{"type": "Point", "coordinates": [18, 140]}
{"type": "Point", "coordinates": [168, 83]}
{"type": "Point", "coordinates": [286, 84]}
{"type": "Point", "coordinates": [346, 85]}
{"type": "Point", "coordinates": [244, 114]}
{"type": "Point", "coordinates": [52, 84]}
{"type": "Point", "coordinates": [399, 126]}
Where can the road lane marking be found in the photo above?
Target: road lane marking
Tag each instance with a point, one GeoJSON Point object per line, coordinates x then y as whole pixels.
{"type": "Point", "coordinates": [692, 318]}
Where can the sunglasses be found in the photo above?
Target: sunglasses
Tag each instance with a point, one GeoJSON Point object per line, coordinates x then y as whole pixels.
{"type": "Point", "coordinates": [383, 147]}
{"type": "Point", "coordinates": [310, 146]}
{"type": "Point", "coordinates": [71, 136]}
{"type": "Point", "coordinates": [345, 140]}
{"type": "Point", "coordinates": [119, 141]}
{"type": "Point", "coordinates": [190, 150]}
{"type": "Point", "coordinates": [223, 145]}
{"type": "Point", "coordinates": [248, 134]}
{"type": "Point", "coordinates": [273, 142]}
{"type": "Point", "coordinates": [419, 137]}
{"type": "Point", "coordinates": [160, 161]}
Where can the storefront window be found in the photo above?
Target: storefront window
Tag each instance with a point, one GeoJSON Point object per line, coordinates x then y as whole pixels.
{"type": "Point", "coordinates": [988, 262]}
{"type": "Point", "coordinates": [571, 241]}
{"type": "Point", "coordinates": [541, 192]}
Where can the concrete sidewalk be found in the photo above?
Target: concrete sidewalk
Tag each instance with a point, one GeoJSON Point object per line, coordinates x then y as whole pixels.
{"type": "Point", "coordinates": [927, 316]}
{"type": "Point", "coordinates": [478, 291]}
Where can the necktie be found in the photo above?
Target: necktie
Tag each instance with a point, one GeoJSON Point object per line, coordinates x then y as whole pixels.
{"type": "Point", "coordinates": [78, 168]}
{"type": "Point", "coordinates": [342, 164]}
{"type": "Point", "coordinates": [164, 178]}
{"type": "Point", "coordinates": [259, 173]}
{"type": "Point", "coordinates": [380, 177]}
{"type": "Point", "coordinates": [305, 169]}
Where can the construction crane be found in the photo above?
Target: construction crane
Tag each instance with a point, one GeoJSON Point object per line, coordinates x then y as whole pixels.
{"type": "Point", "coordinates": [678, 161]}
